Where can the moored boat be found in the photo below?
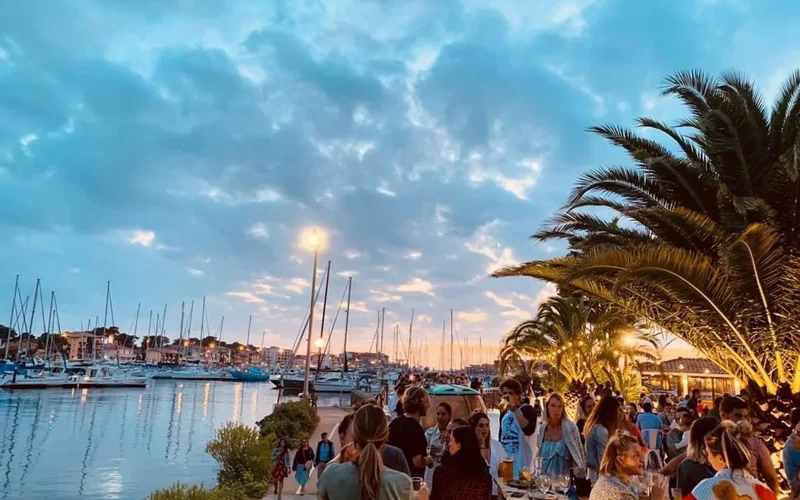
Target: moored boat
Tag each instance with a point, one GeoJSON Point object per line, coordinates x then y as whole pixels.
{"type": "Point", "coordinates": [250, 375]}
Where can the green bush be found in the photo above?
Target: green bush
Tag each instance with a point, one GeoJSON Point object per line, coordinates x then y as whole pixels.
{"type": "Point", "coordinates": [183, 491]}
{"type": "Point", "coordinates": [293, 421]}
{"type": "Point", "coordinates": [244, 458]}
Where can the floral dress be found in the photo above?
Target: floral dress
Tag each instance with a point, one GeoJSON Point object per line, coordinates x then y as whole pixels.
{"type": "Point", "coordinates": [280, 470]}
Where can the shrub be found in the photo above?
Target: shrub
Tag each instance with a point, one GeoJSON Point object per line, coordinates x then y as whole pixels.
{"type": "Point", "coordinates": [244, 458]}
{"type": "Point", "coordinates": [293, 421]}
{"type": "Point", "coordinates": [183, 491]}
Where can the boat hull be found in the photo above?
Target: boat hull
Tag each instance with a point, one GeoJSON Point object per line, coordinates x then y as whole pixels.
{"type": "Point", "coordinates": [66, 384]}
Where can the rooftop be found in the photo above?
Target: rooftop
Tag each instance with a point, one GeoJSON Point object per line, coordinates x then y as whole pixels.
{"type": "Point", "coordinates": [683, 366]}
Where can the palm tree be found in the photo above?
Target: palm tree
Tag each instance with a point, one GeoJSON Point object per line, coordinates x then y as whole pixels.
{"type": "Point", "coordinates": [702, 240]}
{"type": "Point", "coordinates": [584, 340]}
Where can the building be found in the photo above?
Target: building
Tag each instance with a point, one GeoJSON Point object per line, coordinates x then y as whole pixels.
{"type": "Point", "coordinates": [123, 354]}
{"type": "Point", "coordinates": [83, 346]}
{"type": "Point", "coordinates": [163, 356]}
{"type": "Point", "coordinates": [364, 359]}
{"type": "Point", "coordinates": [246, 357]}
{"type": "Point", "coordinates": [275, 356]}
{"type": "Point", "coordinates": [684, 374]}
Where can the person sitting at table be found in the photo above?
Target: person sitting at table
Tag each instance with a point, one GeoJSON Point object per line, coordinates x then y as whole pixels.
{"type": "Point", "coordinates": [621, 462]}
{"type": "Point", "coordinates": [560, 447]}
{"type": "Point", "coordinates": [465, 476]}
{"type": "Point", "coordinates": [491, 450]}
{"type": "Point", "coordinates": [437, 437]}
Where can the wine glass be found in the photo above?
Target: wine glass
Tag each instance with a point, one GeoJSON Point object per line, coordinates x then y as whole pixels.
{"type": "Point", "coordinates": [543, 483]}
{"type": "Point", "coordinates": [561, 483]}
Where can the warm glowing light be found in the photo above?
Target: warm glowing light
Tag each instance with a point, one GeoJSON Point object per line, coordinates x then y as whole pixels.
{"type": "Point", "coordinates": [241, 348]}
{"type": "Point", "coordinates": [111, 338]}
{"type": "Point", "coordinates": [681, 367]}
{"type": "Point", "coordinates": [629, 340]}
{"type": "Point", "coordinates": [211, 345]}
{"type": "Point", "coordinates": [313, 239]}
{"type": "Point", "coordinates": [319, 343]}
{"type": "Point", "coordinates": [706, 371]}
{"type": "Point", "coordinates": [185, 343]}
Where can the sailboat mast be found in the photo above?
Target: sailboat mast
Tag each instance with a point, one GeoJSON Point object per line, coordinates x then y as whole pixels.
{"type": "Point", "coordinates": [249, 323]}
{"type": "Point", "coordinates": [180, 333]}
{"type": "Point", "coordinates": [324, 307]}
{"type": "Point", "coordinates": [263, 334]}
{"type": "Point", "coordinates": [149, 331]}
{"type": "Point", "coordinates": [410, 331]}
{"type": "Point", "coordinates": [136, 324]}
{"type": "Point", "coordinates": [30, 325]}
{"type": "Point", "coordinates": [11, 321]}
{"type": "Point", "coordinates": [49, 327]}
{"type": "Point", "coordinates": [347, 319]}
{"type": "Point", "coordinates": [451, 340]}
{"type": "Point", "coordinates": [202, 318]}
{"type": "Point", "coordinates": [105, 315]}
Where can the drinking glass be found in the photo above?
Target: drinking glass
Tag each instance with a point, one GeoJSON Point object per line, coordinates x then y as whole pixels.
{"type": "Point", "coordinates": [416, 483]}
{"type": "Point", "coordinates": [561, 483]}
{"type": "Point", "coordinates": [677, 494]}
{"type": "Point", "coordinates": [543, 483]}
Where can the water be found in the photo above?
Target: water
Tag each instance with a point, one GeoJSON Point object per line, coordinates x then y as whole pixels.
{"type": "Point", "coordinates": [118, 443]}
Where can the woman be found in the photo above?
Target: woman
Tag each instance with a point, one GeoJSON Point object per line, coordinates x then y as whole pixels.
{"type": "Point", "coordinates": [303, 460]}
{"type": "Point", "coordinates": [621, 462]}
{"type": "Point", "coordinates": [695, 467]}
{"type": "Point", "coordinates": [437, 437]}
{"type": "Point", "coordinates": [280, 466]}
{"type": "Point", "coordinates": [560, 447]}
{"type": "Point", "coordinates": [465, 476]}
{"type": "Point", "coordinates": [365, 477]}
{"type": "Point", "coordinates": [393, 457]}
{"type": "Point", "coordinates": [602, 423]}
{"type": "Point", "coordinates": [491, 449]}
{"type": "Point", "coordinates": [727, 452]}
{"type": "Point", "coordinates": [406, 433]}
{"type": "Point", "coordinates": [585, 407]}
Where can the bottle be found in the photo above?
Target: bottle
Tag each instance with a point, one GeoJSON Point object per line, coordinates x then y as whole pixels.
{"type": "Point", "coordinates": [572, 492]}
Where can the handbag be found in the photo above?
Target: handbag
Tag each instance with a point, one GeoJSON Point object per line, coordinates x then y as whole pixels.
{"type": "Point", "coordinates": [309, 465]}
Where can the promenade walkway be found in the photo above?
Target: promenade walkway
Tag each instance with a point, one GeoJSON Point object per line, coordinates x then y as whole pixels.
{"type": "Point", "coordinates": [328, 418]}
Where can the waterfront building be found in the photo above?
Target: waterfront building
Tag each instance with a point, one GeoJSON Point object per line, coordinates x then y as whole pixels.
{"type": "Point", "coordinates": [681, 375]}
{"type": "Point", "coordinates": [83, 346]}
{"type": "Point", "coordinates": [165, 355]}
{"type": "Point", "coordinates": [123, 354]}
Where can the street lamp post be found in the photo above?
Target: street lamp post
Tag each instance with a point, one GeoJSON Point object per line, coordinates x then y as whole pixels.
{"type": "Point", "coordinates": [312, 240]}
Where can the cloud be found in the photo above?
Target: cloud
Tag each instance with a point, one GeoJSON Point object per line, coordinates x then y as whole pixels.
{"type": "Point", "coordinates": [247, 297]}
{"type": "Point", "coordinates": [196, 272]}
{"type": "Point", "coordinates": [347, 274]}
{"type": "Point", "coordinates": [476, 316]}
{"type": "Point", "coordinates": [417, 285]}
{"type": "Point", "coordinates": [380, 296]}
{"type": "Point", "coordinates": [413, 255]}
{"type": "Point", "coordinates": [500, 301]}
{"type": "Point", "coordinates": [259, 231]}
{"type": "Point", "coordinates": [549, 290]}
{"type": "Point", "coordinates": [140, 237]}
{"type": "Point", "coordinates": [359, 306]}
{"type": "Point", "coordinates": [484, 243]}
{"type": "Point", "coordinates": [352, 254]}
{"type": "Point", "coordinates": [297, 285]}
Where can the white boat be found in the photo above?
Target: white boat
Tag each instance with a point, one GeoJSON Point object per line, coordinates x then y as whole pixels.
{"type": "Point", "coordinates": [75, 378]}
{"type": "Point", "coordinates": [334, 383]}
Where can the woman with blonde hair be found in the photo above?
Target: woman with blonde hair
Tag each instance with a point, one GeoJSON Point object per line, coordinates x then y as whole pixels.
{"type": "Point", "coordinates": [365, 477]}
{"type": "Point", "coordinates": [601, 425]}
{"type": "Point", "coordinates": [560, 446]}
{"type": "Point", "coordinates": [621, 462]}
{"type": "Point", "coordinates": [728, 454]}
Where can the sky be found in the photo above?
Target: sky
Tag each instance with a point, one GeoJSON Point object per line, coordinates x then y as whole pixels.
{"type": "Point", "coordinates": [179, 149]}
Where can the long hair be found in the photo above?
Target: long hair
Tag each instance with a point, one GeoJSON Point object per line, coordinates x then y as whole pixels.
{"type": "Point", "coordinates": [370, 432]}
{"type": "Point", "coordinates": [727, 440]}
{"type": "Point", "coordinates": [558, 398]}
{"type": "Point", "coordinates": [580, 413]}
{"type": "Point", "coordinates": [616, 447]}
{"type": "Point", "coordinates": [474, 420]}
{"type": "Point", "coordinates": [468, 460]}
{"type": "Point", "coordinates": [415, 400]}
{"type": "Point", "coordinates": [697, 438]}
{"type": "Point", "coordinates": [606, 413]}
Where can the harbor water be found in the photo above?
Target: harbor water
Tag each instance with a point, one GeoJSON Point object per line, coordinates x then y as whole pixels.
{"type": "Point", "coordinates": [119, 443]}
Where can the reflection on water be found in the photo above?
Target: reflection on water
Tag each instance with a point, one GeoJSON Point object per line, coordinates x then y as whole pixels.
{"type": "Point", "coordinates": [117, 443]}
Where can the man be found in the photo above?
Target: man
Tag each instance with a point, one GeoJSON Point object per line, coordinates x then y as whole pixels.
{"type": "Point", "coordinates": [437, 438]}
{"type": "Point", "coordinates": [735, 409]}
{"type": "Point", "coordinates": [650, 425]}
{"type": "Point", "coordinates": [325, 453]}
{"type": "Point", "coordinates": [517, 421]}
{"type": "Point", "coordinates": [682, 424]}
{"type": "Point", "coordinates": [694, 402]}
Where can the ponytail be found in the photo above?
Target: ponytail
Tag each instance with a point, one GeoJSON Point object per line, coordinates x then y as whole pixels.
{"type": "Point", "coordinates": [370, 432]}
{"type": "Point", "coordinates": [728, 441]}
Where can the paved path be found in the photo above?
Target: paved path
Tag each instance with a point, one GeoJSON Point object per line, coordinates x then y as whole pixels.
{"type": "Point", "coordinates": [328, 418]}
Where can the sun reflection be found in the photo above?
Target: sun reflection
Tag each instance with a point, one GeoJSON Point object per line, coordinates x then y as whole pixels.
{"type": "Point", "coordinates": [254, 406]}
{"type": "Point", "coordinates": [237, 400]}
{"type": "Point", "coordinates": [178, 404]}
{"type": "Point", "coordinates": [206, 391]}
{"type": "Point", "coordinates": [84, 396]}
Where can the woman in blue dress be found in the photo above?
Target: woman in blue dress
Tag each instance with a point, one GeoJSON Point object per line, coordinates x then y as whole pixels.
{"type": "Point", "coordinates": [303, 460]}
{"type": "Point", "coordinates": [560, 447]}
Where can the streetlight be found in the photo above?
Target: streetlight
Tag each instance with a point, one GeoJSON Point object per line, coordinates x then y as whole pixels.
{"type": "Point", "coordinates": [319, 343]}
{"type": "Point", "coordinates": [312, 239]}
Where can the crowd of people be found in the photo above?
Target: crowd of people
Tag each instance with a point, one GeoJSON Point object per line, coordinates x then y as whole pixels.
{"type": "Point", "coordinates": [613, 449]}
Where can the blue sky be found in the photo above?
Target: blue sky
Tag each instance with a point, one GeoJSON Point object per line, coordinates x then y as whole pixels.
{"type": "Point", "coordinates": [179, 148]}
